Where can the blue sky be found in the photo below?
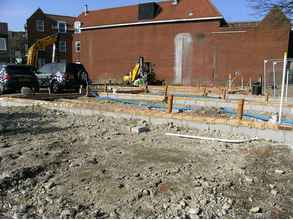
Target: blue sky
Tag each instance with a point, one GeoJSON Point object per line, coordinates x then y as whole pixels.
{"type": "Point", "coordinates": [15, 12]}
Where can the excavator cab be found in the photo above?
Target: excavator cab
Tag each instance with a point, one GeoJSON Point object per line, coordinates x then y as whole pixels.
{"type": "Point", "coordinates": [140, 74]}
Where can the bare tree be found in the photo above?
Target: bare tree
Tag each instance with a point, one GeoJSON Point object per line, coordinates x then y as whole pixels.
{"type": "Point", "coordinates": [263, 6]}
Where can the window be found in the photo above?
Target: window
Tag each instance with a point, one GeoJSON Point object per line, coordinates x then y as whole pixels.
{"type": "Point", "coordinates": [40, 25]}
{"type": "Point", "coordinates": [55, 26]}
{"type": "Point", "coordinates": [62, 27]}
{"type": "Point", "coordinates": [62, 46]}
{"type": "Point", "coordinates": [77, 26]}
{"type": "Point", "coordinates": [77, 46]}
{"type": "Point", "coordinates": [3, 45]}
{"type": "Point", "coordinates": [59, 67]}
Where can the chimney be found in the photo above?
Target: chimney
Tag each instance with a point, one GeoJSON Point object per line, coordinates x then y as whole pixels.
{"type": "Point", "coordinates": [175, 2]}
{"type": "Point", "coordinates": [86, 9]}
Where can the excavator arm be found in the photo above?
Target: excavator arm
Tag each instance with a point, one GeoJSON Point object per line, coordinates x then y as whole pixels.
{"type": "Point", "coordinates": [134, 73]}
{"type": "Point", "coordinates": [32, 55]}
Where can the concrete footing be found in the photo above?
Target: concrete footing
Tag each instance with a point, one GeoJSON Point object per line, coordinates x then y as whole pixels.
{"type": "Point", "coordinates": [283, 135]}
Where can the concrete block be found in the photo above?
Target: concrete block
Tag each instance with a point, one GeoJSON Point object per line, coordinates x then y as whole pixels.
{"type": "Point", "coordinates": [139, 129]}
{"type": "Point", "coordinates": [26, 91]}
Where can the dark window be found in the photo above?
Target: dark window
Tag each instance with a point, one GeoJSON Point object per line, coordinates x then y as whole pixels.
{"type": "Point", "coordinates": [25, 70]}
{"type": "Point", "coordinates": [77, 46]}
{"type": "Point", "coordinates": [147, 11]}
{"type": "Point", "coordinates": [77, 26]}
{"type": "Point", "coordinates": [62, 27]}
{"type": "Point", "coordinates": [3, 45]}
{"type": "Point", "coordinates": [72, 68]}
{"type": "Point", "coordinates": [62, 46]}
{"type": "Point", "coordinates": [40, 25]}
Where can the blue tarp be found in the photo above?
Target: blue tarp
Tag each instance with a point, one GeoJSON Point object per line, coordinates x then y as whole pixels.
{"type": "Point", "coordinates": [162, 107]}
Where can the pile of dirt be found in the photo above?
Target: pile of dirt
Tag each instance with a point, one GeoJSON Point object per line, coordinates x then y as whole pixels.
{"type": "Point", "coordinates": [57, 165]}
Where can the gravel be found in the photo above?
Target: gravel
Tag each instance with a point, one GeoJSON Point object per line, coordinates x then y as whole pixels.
{"type": "Point", "coordinates": [56, 165]}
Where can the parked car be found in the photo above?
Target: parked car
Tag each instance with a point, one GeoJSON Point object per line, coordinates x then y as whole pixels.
{"type": "Point", "coordinates": [61, 76]}
{"type": "Point", "coordinates": [15, 76]}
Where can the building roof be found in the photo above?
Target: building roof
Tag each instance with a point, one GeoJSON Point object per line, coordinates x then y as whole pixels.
{"type": "Point", "coordinates": [237, 26]}
{"type": "Point", "coordinates": [185, 9]}
{"type": "Point", "coordinates": [67, 19]}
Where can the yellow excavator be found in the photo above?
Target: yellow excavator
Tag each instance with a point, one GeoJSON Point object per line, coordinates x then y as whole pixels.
{"type": "Point", "coordinates": [141, 74]}
{"type": "Point", "coordinates": [32, 55]}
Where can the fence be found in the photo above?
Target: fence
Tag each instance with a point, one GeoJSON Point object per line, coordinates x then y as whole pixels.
{"type": "Point", "coordinates": [273, 74]}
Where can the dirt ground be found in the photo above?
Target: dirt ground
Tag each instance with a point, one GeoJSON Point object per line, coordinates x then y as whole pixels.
{"type": "Point", "coordinates": [57, 165]}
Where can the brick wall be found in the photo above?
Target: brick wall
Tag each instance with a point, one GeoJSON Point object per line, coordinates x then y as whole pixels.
{"type": "Point", "coordinates": [34, 35]}
{"type": "Point", "coordinates": [4, 55]}
{"type": "Point", "coordinates": [215, 51]}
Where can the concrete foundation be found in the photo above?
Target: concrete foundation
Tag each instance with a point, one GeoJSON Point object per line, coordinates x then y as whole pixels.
{"type": "Point", "coordinates": [255, 129]}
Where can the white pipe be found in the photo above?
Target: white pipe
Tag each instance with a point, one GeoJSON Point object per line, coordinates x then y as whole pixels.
{"type": "Point", "coordinates": [54, 53]}
{"type": "Point", "coordinates": [212, 139]}
{"type": "Point", "coordinates": [283, 87]}
{"type": "Point", "coordinates": [279, 60]}
{"type": "Point", "coordinates": [264, 77]}
{"type": "Point", "coordinates": [228, 32]}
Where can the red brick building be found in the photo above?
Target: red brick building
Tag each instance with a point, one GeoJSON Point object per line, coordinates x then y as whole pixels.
{"type": "Point", "coordinates": [188, 41]}
{"type": "Point", "coordinates": [40, 25]}
{"type": "Point", "coordinates": [4, 55]}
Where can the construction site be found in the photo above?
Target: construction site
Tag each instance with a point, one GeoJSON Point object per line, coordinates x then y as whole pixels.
{"type": "Point", "coordinates": [195, 132]}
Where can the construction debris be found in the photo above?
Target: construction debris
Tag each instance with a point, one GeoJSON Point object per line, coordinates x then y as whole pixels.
{"type": "Point", "coordinates": [212, 139]}
{"type": "Point", "coordinates": [68, 166]}
{"type": "Point", "coordinates": [139, 129]}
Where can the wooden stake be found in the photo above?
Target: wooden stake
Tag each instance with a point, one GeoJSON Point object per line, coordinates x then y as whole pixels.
{"type": "Point", "coordinates": [224, 94]}
{"type": "Point", "coordinates": [146, 89]}
{"type": "Point", "coordinates": [205, 92]}
{"type": "Point", "coordinates": [170, 104]}
{"type": "Point", "coordinates": [267, 98]}
{"type": "Point", "coordinates": [240, 109]}
{"type": "Point", "coordinates": [166, 93]}
{"type": "Point", "coordinates": [80, 89]}
{"type": "Point", "coordinates": [105, 87]}
{"type": "Point", "coordinates": [87, 90]}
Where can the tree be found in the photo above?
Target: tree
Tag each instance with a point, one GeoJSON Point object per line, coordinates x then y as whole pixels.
{"type": "Point", "coordinates": [263, 6]}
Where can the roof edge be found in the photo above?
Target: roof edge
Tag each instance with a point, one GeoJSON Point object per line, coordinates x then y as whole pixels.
{"type": "Point", "coordinates": [180, 20]}
{"type": "Point", "coordinates": [67, 16]}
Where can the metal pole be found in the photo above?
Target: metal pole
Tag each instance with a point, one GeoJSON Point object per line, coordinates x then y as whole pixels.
{"type": "Point", "coordinates": [54, 53]}
{"type": "Point", "coordinates": [274, 74]}
{"type": "Point", "coordinates": [264, 77]}
{"type": "Point", "coordinates": [283, 88]}
{"type": "Point", "coordinates": [287, 85]}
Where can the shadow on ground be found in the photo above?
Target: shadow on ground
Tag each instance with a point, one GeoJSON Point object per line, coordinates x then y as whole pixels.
{"type": "Point", "coordinates": [22, 123]}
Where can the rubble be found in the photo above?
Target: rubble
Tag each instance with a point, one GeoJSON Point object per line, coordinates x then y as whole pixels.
{"type": "Point", "coordinates": [57, 165]}
{"type": "Point", "coordinates": [25, 91]}
{"type": "Point", "coordinates": [139, 129]}
{"type": "Point", "coordinates": [280, 172]}
{"type": "Point", "coordinates": [255, 210]}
